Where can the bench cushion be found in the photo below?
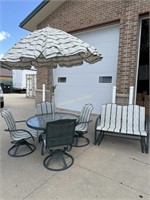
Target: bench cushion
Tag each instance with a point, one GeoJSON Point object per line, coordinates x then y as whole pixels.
{"type": "Point", "coordinates": [123, 119]}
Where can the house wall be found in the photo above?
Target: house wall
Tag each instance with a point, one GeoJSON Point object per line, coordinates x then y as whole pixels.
{"type": "Point", "coordinates": [5, 76]}
{"type": "Point", "coordinates": [44, 76]}
{"type": "Point", "coordinates": [75, 15]}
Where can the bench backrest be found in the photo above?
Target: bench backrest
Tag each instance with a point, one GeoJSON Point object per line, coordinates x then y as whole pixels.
{"type": "Point", "coordinates": [124, 119]}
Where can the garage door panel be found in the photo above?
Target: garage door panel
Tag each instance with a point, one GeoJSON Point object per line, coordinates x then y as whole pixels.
{"type": "Point", "coordinates": [100, 35]}
{"type": "Point", "coordinates": [109, 64]}
{"type": "Point", "coordinates": [76, 100]}
{"type": "Point", "coordinates": [82, 82]}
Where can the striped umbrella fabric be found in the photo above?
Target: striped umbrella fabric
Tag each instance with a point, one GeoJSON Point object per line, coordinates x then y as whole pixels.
{"type": "Point", "coordinates": [49, 48]}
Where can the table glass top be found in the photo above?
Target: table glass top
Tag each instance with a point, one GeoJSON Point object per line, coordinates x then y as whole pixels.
{"type": "Point", "coordinates": [39, 121]}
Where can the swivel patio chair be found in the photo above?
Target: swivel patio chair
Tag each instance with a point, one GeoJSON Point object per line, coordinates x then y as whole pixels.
{"type": "Point", "coordinates": [19, 136]}
{"type": "Point", "coordinates": [82, 126]}
{"type": "Point", "coordinates": [58, 139]}
{"type": "Point", "coordinates": [44, 107]}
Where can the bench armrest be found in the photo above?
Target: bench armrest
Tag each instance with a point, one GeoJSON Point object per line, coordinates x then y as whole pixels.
{"type": "Point", "coordinates": [147, 125]}
{"type": "Point", "coordinates": [98, 120]}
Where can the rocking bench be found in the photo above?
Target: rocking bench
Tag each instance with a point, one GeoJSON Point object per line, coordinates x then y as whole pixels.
{"type": "Point", "coordinates": [126, 120]}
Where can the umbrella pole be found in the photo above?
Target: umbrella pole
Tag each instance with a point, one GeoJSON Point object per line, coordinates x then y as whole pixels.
{"type": "Point", "coordinates": [53, 105]}
{"type": "Point", "coordinates": [53, 100]}
{"type": "Point", "coordinates": [43, 92]}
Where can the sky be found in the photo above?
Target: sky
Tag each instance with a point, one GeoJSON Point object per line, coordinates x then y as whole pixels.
{"type": "Point", "coordinates": [12, 13]}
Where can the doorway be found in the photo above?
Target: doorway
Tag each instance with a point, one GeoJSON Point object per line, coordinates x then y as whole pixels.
{"type": "Point", "coordinates": [143, 70]}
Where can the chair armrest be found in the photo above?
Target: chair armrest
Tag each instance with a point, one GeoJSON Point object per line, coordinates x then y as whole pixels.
{"type": "Point", "coordinates": [6, 130]}
{"type": "Point", "coordinates": [26, 132]}
{"type": "Point", "coordinates": [20, 121]}
{"type": "Point", "coordinates": [98, 121]}
{"type": "Point", "coordinates": [21, 130]}
{"type": "Point", "coordinates": [84, 122]}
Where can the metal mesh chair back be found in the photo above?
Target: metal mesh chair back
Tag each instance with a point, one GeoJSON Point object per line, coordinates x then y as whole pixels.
{"type": "Point", "coordinates": [60, 132]}
{"type": "Point", "coordinates": [44, 108]}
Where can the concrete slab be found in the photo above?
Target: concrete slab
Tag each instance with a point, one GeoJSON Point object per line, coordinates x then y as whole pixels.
{"type": "Point", "coordinates": [80, 183]}
{"type": "Point", "coordinates": [114, 170]}
{"type": "Point", "coordinates": [128, 169]}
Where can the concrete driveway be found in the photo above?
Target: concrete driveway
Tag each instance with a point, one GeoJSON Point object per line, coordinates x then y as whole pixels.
{"type": "Point", "coordinates": [115, 170]}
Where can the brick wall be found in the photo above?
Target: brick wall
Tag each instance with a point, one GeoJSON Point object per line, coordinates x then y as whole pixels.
{"type": "Point", "coordinates": [80, 14]}
{"type": "Point", "coordinates": [44, 76]}
{"type": "Point", "coordinates": [76, 15]}
{"type": "Point", "coordinates": [5, 72]}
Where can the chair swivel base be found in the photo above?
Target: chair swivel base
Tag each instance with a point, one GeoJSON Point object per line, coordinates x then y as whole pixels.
{"type": "Point", "coordinates": [13, 151]}
{"type": "Point", "coordinates": [41, 137]}
{"type": "Point", "coordinates": [58, 156]}
{"type": "Point", "coordinates": [78, 139]}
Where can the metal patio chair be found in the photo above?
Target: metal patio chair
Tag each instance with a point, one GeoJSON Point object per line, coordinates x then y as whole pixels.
{"type": "Point", "coordinates": [58, 139]}
{"type": "Point", "coordinates": [82, 126]}
{"type": "Point", "coordinates": [19, 136]}
{"type": "Point", "coordinates": [44, 108]}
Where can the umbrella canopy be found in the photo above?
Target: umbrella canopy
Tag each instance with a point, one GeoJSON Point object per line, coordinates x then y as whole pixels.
{"type": "Point", "coordinates": [49, 48]}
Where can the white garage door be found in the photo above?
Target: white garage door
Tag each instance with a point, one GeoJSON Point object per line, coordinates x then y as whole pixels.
{"type": "Point", "coordinates": [90, 83]}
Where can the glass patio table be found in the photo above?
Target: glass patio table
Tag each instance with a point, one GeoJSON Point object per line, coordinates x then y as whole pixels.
{"type": "Point", "coordinates": [38, 122]}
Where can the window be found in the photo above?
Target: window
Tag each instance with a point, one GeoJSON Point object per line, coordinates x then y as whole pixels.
{"type": "Point", "coordinates": [61, 79]}
{"type": "Point", "coordinates": [105, 79]}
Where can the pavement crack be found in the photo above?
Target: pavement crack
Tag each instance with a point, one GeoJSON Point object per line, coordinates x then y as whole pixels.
{"type": "Point", "coordinates": [113, 180]}
{"type": "Point", "coordinates": [40, 186]}
{"type": "Point", "coordinates": [139, 161]}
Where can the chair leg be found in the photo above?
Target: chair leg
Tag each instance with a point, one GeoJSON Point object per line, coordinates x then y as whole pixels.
{"type": "Point", "coordinates": [14, 149]}
{"type": "Point", "coordinates": [40, 138]}
{"type": "Point", "coordinates": [96, 136]}
{"type": "Point", "coordinates": [77, 140]}
{"type": "Point", "coordinates": [42, 149]}
{"type": "Point", "coordinates": [142, 141]}
{"type": "Point", "coordinates": [146, 144]}
{"type": "Point", "coordinates": [59, 155]}
{"type": "Point", "coordinates": [100, 138]}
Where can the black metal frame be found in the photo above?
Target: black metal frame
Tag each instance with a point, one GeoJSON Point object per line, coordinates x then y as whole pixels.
{"type": "Point", "coordinates": [14, 149]}
{"type": "Point", "coordinates": [83, 120]}
{"type": "Point", "coordinates": [59, 153]}
{"type": "Point", "coordinates": [144, 140]}
{"type": "Point", "coordinates": [17, 143]}
{"type": "Point", "coordinates": [19, 140]}
{"type": "Point", "coordinates": [78, 137]}
{"type": "Point", "coordinates": [58, 134]}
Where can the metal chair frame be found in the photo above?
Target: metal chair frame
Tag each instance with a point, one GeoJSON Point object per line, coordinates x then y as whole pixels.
{"type": "Point", "coordinates": [19, 136]}
{"type": "Point", "coordinates": [82, 126]}
{"type": "Point", "coordinates": [43, 108]}
{"type": "Point", "coordinates": [58, 139]}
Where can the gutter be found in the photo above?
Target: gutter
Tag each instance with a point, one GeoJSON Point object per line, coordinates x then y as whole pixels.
{"type": "Point", "coordinates": [34, 12]}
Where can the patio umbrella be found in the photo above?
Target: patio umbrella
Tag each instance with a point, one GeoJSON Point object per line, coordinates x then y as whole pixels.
{"type": "Point", "coordinates": [49, 48]}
